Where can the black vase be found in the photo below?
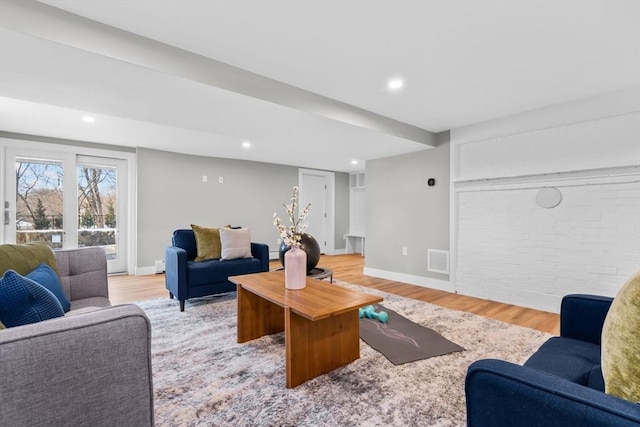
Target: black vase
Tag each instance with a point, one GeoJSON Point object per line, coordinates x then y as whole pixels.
{"type": "Point", "coordinates": [309, 245]}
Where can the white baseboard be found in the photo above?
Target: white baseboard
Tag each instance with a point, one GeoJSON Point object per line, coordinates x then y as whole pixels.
{"type": "Point", "coordinates": [425, 282]}
{"type": "Point", "coordinates": [273, 255]}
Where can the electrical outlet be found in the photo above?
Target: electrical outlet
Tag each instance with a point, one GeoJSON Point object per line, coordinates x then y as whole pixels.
{"type": "Point", "coordinates": [204, 178]}
{"type": "Point", "coordinates": [404, 250]}
{"type": "Point", "coordinates": [220, 180]}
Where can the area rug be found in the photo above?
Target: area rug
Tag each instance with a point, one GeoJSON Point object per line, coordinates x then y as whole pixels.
{"type": "Point", "coordinates": [402, 341]}
{"type": "Point", "coordinates": [202, 377]}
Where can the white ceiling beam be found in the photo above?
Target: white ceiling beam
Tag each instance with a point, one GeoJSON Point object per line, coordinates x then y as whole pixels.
{"type": "Point", "coordinates": [47, 22]}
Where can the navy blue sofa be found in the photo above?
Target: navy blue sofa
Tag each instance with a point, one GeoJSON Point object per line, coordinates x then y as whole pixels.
{"type": "Point", "coordinates": [560, 385]}
{"type": "Point", "coordinates": [186, 278]}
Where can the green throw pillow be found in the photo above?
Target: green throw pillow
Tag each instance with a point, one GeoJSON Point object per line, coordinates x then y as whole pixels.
{"type": "Point", "coordinates": [25, 258]}
{"type": "Point", "coordinates": [207, 242]}
{"type": "Point", "coordinates": [621, 343]}
{"type": "Point", "coordinates": [2, 326]}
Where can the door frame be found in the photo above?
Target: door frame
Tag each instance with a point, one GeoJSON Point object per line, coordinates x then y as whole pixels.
{"type": "Point", "coordinates": [330, 223]}
{"type": "Point", "coordinates": [32, 147]}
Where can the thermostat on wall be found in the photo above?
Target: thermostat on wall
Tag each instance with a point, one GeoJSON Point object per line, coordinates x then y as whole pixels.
{"type": "Point", "coordinates": [431, 182]}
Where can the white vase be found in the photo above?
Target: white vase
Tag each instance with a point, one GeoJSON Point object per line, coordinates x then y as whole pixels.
{"type": "Point", "coordinates": [295, 268]}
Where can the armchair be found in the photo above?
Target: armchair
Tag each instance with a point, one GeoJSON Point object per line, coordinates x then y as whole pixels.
{"type": "Point", "coordinates": [560, 385]}
{"type": "Point", "coordinates": [87, 369]}
{"type": "Point", "coordinates": [186, 278]}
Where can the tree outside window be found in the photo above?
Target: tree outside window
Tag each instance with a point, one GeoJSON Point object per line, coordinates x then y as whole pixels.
{"type": "Point", "coordinates": [39, 203]}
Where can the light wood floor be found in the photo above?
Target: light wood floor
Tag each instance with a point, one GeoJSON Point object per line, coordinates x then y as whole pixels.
{"type": "Point", "coordinates": [123, 289]}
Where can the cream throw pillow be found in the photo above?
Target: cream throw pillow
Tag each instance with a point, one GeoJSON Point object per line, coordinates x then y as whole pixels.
{"type": "Point", "coordinates": [207, 242]}
{"type": "Point", "coordinates": [236, 243]}
{"type": "Point", "coordinates": [621, 343]}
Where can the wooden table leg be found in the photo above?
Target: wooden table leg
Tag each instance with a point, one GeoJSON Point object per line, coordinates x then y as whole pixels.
{"type": "Point", "coordinates": [316, 347]}
{"type": "Point", "coordinates": [257, 317]}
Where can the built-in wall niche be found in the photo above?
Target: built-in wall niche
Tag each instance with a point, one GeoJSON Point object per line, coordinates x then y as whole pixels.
{"type": "Point", "coordinates": [355, 237]}
{"type": "Point", "coordinates": [356, 180]}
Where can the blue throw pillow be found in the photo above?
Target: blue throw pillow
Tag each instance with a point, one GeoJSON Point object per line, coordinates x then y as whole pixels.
{"type": "Point", "coordinates": [45, 276]}
{"type": "Point", "coordinates": [23, 301]}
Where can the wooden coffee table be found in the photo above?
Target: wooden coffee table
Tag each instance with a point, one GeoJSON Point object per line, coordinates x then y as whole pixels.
{"type": "Point", "coordinates": [320, 322]}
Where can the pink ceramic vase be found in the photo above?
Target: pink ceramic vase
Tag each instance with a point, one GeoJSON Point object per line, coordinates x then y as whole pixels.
{"type": "Point", "coordinates": [295, 268]}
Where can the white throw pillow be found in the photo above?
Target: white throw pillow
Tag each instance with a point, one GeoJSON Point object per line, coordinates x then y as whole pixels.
{"type": "Point", "coordinates": [236, 243]}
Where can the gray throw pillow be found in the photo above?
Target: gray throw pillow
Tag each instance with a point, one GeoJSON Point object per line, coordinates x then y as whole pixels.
{"type": "Point", "coordinates": [236, 243]}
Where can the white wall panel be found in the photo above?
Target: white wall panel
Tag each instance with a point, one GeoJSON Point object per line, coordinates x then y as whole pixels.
{"type": "Point", "coordinates": [504, 246]}
{"type": "Point", "coordinates": [608, 142]}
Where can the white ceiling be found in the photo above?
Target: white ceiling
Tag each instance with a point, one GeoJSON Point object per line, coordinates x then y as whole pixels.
{"type": "Point", "coordinates": [464, 62]}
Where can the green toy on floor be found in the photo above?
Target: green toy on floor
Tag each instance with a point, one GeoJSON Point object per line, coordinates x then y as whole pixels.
{"type": "Point", "coordinates": [370, 313]}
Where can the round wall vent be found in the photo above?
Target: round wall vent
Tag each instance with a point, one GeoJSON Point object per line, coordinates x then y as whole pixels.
{"type": "Point", "coordinates": [548, 197]}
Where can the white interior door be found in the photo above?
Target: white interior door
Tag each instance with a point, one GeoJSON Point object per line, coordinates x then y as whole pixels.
{"type": "Point", "coordinates": [313, 189]}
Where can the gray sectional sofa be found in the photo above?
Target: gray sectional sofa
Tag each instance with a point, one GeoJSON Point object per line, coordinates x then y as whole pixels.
{"type": "Point", "coordinates": [91, 367]}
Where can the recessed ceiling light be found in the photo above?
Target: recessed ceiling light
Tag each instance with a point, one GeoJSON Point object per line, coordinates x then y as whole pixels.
{"type": "Point", "coordinates": [354, 162]}
{"type": "Point", "coordinates": [395, 84]}
{"type": "Point", "coordinates": [88, 119]}
{"type": "Point", "coordinates": [246, 144]}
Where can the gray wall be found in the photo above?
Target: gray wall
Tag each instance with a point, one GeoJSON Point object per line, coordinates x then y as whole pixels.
{"type": "Point", "coordinates": [401, 210]}
{"type": "Point", "coordinates": [171, 195]}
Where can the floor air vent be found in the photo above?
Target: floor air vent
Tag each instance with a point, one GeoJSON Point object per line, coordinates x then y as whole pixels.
{"type": "Point", "coordinates": [438, 261]}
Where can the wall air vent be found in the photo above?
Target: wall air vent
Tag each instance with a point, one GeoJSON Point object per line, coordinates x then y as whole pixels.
{"type": "Point", "coordinates": [438, 261]}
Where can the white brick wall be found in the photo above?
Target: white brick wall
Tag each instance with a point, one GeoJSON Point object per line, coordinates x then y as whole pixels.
{"type": "Point", "coordinates": [507, 248]}
{"type": "Point", "coordinates": [512, 250]}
